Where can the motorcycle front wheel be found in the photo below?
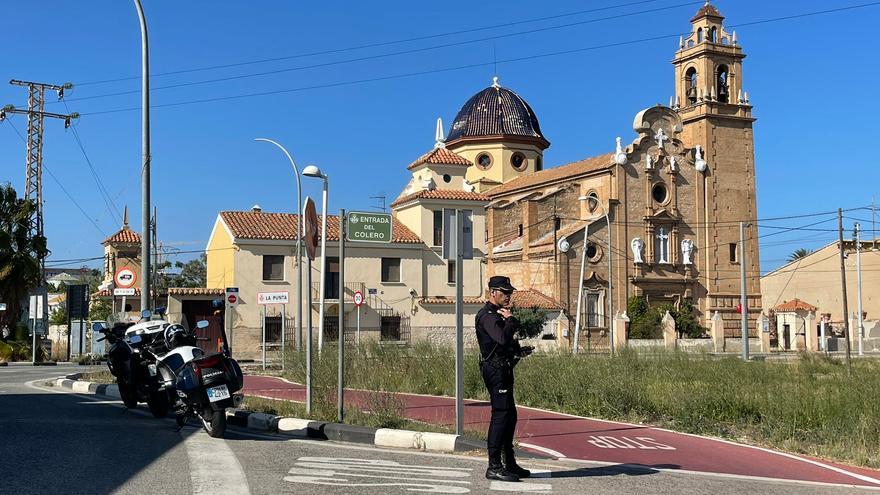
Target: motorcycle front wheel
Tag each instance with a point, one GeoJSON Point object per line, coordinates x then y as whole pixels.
{"type": "Point", "coordinates": [214, 423]}
{"type": "Point", "coordinates": [128, 394]}
{"type": "Point", "coordinates": [158, 403]}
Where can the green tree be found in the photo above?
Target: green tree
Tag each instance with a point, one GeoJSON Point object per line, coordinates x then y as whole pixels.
{"type": "Point", "coordinates": [686, 323]}
{"type": "Point", "coordinates": [798, 254]}
{"type": "Point", "coordinates": [59, 315]}
{"type": "Point", "coordinates": [193, 273]}
{"type": "Point", "coordinates": [531, 321]}
{"type": "Point", "coordinates": [19, 253]}
{"type": "Point", "coordinates": [100, 310]}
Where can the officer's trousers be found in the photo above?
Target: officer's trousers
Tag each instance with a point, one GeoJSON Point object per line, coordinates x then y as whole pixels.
{"type": "Point", "coordinates": [498, 378]}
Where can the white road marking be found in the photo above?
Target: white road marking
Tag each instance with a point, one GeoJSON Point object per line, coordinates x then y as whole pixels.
{"type": "Point", "coordinates": [520, 486]}
{"type": "Point", "coordinates": [339, 471]}
{"type": "Point", "coordinates": [550, 452]}
{"type": "Point", "coordinates": [213, 467]}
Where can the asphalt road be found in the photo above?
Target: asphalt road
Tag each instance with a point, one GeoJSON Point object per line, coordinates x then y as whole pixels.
{"type": "Point", "coordinates": [54, 441]}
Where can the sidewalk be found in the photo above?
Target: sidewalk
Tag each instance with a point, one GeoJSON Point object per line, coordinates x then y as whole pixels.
{"type": "Point", "coordinates": [565, 436]}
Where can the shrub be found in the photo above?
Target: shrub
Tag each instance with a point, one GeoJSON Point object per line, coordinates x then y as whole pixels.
{"type": "Point", "coordinates": [531, 321]}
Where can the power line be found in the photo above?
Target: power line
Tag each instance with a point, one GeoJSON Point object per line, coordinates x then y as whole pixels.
{"type": "Point", "coordinates": [385, 55]}
{"type": "Point", "coordinates": [64, 189]}
{"type": "Point", "coordinates": [374, 45]}
{"type": "Point", "coordinates": [463, 67]}
{"type": "Point", "coordinates": [101, 189]}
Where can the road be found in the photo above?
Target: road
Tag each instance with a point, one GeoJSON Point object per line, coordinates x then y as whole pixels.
{"type": "Point", "coordinates": [55, 441]}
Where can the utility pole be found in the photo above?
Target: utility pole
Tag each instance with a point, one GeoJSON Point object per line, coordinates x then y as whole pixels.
{"type": "Point", "coordinates": [34, 166]}
{"type": "Point", "coordinates": [843, 291]}
{"type": "Point", "coordinates": [743, 299]}
{"type": "Point", "coordinates": [861, 331]}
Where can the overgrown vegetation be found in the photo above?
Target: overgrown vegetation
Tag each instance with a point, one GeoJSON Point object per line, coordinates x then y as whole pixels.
{"type": "Point", "coordinates": [808, 406]}
{"type": "Point", "coordinates": [644, 320]}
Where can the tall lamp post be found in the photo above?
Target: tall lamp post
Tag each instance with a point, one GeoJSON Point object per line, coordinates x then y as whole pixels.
{"type": "Point", "coordinates": [145, 170]}
{"type": "Point", "coordinates": [299, 229]}
{"type": "Point", "coordinates": [593, 201]}
{"type": "Point", "coordinates": [315, 172]}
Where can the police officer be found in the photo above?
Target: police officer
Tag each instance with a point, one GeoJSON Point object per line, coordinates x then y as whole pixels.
{"type": "Point", "coordinates": [499, 353]}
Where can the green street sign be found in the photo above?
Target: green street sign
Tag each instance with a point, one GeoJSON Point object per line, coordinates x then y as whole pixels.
{"type": "Point", "coordinates": [368, 227]}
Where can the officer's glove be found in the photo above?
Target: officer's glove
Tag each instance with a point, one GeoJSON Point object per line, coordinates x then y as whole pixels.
{"type": "Point", "coordinates": [525, 351]}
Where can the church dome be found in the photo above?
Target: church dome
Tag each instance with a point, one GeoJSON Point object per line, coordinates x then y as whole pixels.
{"type": "Point", "coordinates": [496, 111]}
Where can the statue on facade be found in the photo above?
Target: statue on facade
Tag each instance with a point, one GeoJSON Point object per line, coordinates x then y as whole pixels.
{"type": "Point", "coordinates": [687, 251]}
{"type": "Point", "coordinates": [637, 246]}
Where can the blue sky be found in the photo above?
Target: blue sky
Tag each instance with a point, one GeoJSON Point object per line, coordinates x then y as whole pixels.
{"type": "Point", "coordinates": [812, 82]}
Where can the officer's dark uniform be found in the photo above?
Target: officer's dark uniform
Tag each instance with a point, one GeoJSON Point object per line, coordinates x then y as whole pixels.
{"type": "Point", "coordinates": [499, 353]}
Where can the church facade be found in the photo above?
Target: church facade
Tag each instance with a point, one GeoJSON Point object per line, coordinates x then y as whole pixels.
{"type": "Point", "coordinates": [662, 211]}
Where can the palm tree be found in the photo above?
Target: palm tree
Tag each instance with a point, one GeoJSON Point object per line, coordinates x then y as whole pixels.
{"type": "Point", "coordinates": [19, 253]}
{"type": "Point", "coordinates": [798, 254]}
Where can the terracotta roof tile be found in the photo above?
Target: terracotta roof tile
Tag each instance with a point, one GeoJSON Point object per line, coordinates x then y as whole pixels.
{"type": "Point", "coordinates": [707, 10]}
{"type": "Point", "coordinates": [795, 305]}
{"type": "Point", "coordinates": [440, 156]}
{"type": "Point", "coordinates": [552, 174]}
{"type": "Point", "coordinates": [283, 226]}
{"type": "Point", "coordinates": [450, 194]}
{"type": "Point", "coordinates": [527, 298]}
{"type": "Point", "coordinates": [194, 291]}
{"type": "Point", "coordinates": [124, 235]}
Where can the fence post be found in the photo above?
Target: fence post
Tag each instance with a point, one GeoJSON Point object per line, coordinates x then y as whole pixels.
{"type": "Point", "coordinates": [668, 325]}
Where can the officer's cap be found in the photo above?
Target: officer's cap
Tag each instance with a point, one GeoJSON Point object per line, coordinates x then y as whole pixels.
{"type": "Point", "coordinates": [501, 283]}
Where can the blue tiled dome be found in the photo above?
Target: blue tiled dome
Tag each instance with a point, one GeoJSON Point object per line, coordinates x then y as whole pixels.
{"type": "Point", "coordinates": [496, 111]}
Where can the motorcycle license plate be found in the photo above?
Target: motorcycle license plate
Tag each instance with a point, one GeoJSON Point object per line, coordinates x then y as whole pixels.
{"type": "Point", "coordinates": [218, 393]}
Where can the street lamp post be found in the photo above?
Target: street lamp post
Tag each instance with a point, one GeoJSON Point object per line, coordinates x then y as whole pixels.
{"type": "Point", "coordinates": [314, 171]}
{"type": "Point", "coordinates": [145, 170]}
{"type": "Point", "coordinates": [299, 229]}
{"type": "Point", "coordinates": [593, 200]}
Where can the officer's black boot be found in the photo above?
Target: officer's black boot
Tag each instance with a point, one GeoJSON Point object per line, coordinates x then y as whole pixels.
{"type": "Point", "coordinates": [496, 470]}
{"type": "Point", "coordinates": [512, 467]}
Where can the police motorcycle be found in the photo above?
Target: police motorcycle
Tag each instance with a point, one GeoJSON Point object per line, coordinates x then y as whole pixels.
{"type": "Point", "coordinates": [199, 385]}
{"type": "Point", "coordinates": [131, 359]}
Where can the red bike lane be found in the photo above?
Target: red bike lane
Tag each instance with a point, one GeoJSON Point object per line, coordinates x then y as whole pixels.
{"type": "Point", "coordinates": [573, 437]}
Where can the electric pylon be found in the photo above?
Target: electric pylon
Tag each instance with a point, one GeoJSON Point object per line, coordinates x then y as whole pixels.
{"type": "Point", "coordinates": [34, 172]}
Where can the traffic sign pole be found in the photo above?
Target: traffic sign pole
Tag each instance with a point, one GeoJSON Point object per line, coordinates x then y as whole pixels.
{"type": "Point", "coordinates": [358, 301]}
{"type": "Point", "coordinates": [340, 395]}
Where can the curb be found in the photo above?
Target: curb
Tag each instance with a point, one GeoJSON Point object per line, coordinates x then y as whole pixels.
{"type": "Point", "coordinates": [319, 430]}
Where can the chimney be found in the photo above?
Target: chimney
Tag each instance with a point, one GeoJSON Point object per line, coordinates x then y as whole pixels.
{"type": "Point", "coordinates": [256, 208]}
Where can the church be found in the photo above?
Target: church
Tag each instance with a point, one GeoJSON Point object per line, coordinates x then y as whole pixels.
{"type": "Point", "coordinates": [656, 217]}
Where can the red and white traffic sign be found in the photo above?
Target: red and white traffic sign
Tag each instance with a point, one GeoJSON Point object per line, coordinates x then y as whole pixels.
{"type": "Point", "coordinates": [125, 278]}
{"type": "Point", "coordinates": [232, 296]}
{"type": "Point", "coordinates": [358, 298]}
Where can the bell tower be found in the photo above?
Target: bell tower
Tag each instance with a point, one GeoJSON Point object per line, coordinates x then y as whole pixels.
{"type": "Point", "coordinates": [717, 121]}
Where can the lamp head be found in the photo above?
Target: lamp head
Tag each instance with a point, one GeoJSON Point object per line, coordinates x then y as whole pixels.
{"type": "Point", "coordinates": [313, 171]}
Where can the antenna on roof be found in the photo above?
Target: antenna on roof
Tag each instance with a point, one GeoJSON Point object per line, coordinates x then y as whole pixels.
{"type": "Point", "coordinates": [379, 199]}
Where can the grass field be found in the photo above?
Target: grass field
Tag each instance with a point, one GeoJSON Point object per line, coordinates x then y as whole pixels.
{"type": "Point", "coordinates": [806, 406]}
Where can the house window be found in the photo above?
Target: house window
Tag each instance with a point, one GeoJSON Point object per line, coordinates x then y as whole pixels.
{"type": "Point", "coordinates": [661, 243]}
{"type": "Point", "coordinates": [734, 253]}
{"type": "Point", "coordinates": [438, 227]}
{"type": "Point", "coordinates": [592, 310]}
{"type": "Point", "coordinates": [391, 269]}
{"type": "Point", "coordinates": [691, 85]}
{"type": "Point", "coordinates": [520, 230]}
{"type": "Point", "coordinates": [273, 267]}
{"type": "Point", "coordinates": [331, 278]}
{"type": "Point", "coordinates": [450, 272]}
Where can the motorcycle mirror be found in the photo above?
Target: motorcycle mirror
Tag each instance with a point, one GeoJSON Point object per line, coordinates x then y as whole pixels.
{"type": "Point", "coordinates": [202, 324]}
{"type": "Point", "coordinates": [146, 314]}
{"type": "Point", "coordinates": [98, 327]}
{"type": "Point", "coordinates": [135, 339]}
